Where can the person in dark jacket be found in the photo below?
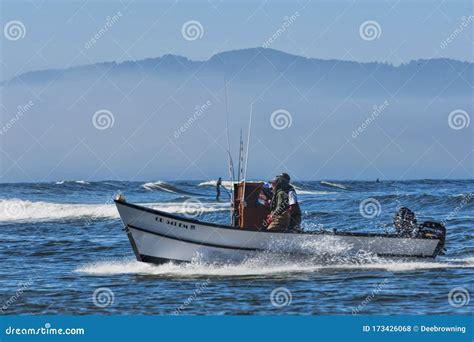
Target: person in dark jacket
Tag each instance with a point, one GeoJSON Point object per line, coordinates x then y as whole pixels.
{"type": "Point", "coordinates": [279, 218]}
{"type": "Point", "coordinates": [295, 210]}
{"type": "Point", "coordinates": [218, 189]}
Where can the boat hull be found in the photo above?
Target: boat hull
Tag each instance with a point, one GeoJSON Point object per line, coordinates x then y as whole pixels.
{"type": "Point", "coordinates": [159, 237]}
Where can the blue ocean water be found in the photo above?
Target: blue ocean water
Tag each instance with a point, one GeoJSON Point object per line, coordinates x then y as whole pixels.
{"type": "Point", "coordinates": [63, 251]}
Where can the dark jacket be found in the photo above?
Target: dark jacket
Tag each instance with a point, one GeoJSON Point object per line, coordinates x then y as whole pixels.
{"type": "Point", "coordinates": [279, 202]}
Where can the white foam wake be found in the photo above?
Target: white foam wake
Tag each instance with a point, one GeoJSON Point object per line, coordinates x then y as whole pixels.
{"type": "Point", "coordinates": [262, 266]}
{"type": "Point", "coordinates": [27, 211]}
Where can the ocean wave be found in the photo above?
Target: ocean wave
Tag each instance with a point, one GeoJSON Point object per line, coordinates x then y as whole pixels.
{"type": "Point", "coordinates": [333, 185]}
{"type": "Point", "coordinates": [263, 266]}
{"type": "Point", "coordinates": [61, 182]}
{"type": "Point", "coordinates": [314, 192]}
{"type": "Point", "coordinates": [226, 184]}
{"type": "Point", "coordinates": [13, 210]}
{"type": "Point", "coordinates": [163, 186]}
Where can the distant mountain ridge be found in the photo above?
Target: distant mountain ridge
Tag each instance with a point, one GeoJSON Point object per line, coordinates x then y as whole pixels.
{"type": "Point", "coordinates": [260, 64]}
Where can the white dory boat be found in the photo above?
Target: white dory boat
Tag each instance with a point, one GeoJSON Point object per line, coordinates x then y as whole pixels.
{"type": "Point", "coordinates": [159, 237]}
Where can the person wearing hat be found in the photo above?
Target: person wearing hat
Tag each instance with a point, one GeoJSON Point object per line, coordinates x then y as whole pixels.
{"type": "Point", "coordinates": [295, 211]}
{"type": "Point", "coordinates": [279, 218]}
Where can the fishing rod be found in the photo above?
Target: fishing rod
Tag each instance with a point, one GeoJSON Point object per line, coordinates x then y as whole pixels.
{"type": "Point", "coordinates": [231, 163]}
{"type": "Point", "coordinates": [241, 156]}
{"type": "Point", "coordinates": [247, 155]}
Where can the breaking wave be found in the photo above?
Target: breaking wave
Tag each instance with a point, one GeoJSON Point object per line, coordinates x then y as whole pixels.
{"type": "Point", "coordinates": [83, 182]}
{"type": "Point", "coordinates": [13, 210]}
{"type": "Point", "coordinates": [333, 185]}
{"type": "Point", "coordinates": [226, 184]}
{"type": "Point", "coordinates": [162, 186]}
{"type": "Point", "coordinates": [314, 192]}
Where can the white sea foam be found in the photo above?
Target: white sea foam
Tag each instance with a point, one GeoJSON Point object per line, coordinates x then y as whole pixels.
{"type": "Point", "coordinates": [26, 211]}
{"type": "Point", "coordinates": [83, 182]}
{"type": "Point", "coordinates": [262, 266]}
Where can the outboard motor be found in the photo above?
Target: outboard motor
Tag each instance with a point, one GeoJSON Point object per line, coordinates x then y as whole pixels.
{"type": "Point", "coordinates": [406, 226]}
{"type": "Point", "coordinates": [405, 223]}
{"type": "Point", "coordinates": [433, 230]}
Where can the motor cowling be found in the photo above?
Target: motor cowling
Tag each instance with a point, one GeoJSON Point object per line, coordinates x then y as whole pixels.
{"type": "Point", "coordinates": [433, 230]}
{"type": "Point", "coordinates": [406, 225]}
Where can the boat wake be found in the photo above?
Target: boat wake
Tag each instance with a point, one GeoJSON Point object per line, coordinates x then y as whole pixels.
{"type": "Point", "coordinates": [262, 266]}
{"type": "Point", "coordinates": [16, 210]}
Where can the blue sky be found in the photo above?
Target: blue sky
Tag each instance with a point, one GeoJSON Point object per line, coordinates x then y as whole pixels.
{"type": "Point", "coordinates": [425, 132]}
{"type": "Point", "coordinates": [57, 31]}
